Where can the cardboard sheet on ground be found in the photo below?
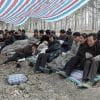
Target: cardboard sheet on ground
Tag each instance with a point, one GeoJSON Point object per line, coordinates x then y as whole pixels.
{"type": "Point", "coordinates": [76, 77]}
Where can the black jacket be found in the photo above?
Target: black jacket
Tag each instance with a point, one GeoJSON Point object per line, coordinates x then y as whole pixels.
{"type": "Point", "coordinates": [53, 51]}
{"type": "Point", "coordinates": [81, 50]}
{"type": "Point", "coordinates": [9, 40]}
{"type": "Point", "coordinates": [95, 50]}
{"type": "Point", "coordinates": [25, 52]}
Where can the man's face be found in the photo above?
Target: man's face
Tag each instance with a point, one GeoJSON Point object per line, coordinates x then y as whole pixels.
{"type": "Point", "coordinates": [62, 34]}
{"type": "Point", "coordinates": [8, 35]}
{"type": "Point", "coordinates": [76, 38]}
{"type": "Point", "coordinates": [51, 39]}
{"type": "Point", "coordinates": [82, 39]}
{"type": "Point", "coordinates": [91, 41]}
{"type": "Point", "coordinates": [35, 33]}
{"type": "Point", "coordinates": [33, 49]}
{"type": "Point", "coordinates": [19, 32]}
{"type": "Point", "coordinates": [41, 34]}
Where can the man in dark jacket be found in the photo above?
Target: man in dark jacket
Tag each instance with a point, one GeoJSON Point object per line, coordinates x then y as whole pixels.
{"type": "Point", "coordinates": [75, 61]}
{"type": "Point", "coordinates": [20, 35]}
{"type": "Point", "coordinates": [91, 58]}
{"type": "Point", "coordinates": [22, 53]}
{"type": "Point", "coordinates": [1, 35]}
{"type": "Point", "coordinates": [53, 51]}
{"type": "Point", "coordinates": [98, 35]}
{"type": "Point", "coordinates": [36, 34]}
{"type": "Point", "coordinates": [66, 40]}
{"type": "Point", "coordinates": [62, 35]}
{"type": "Point", "coordinates": [91, 62]}
{"type": "Point", "coordinates": [9, 40]}
{"type": "Point", "coordinates": [69, 31]}
{"type": "Point", "coordinates": [23, 35]}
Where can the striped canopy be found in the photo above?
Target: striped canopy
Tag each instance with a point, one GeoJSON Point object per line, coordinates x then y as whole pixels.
{"type": "Point", "coordinates": [18, 11]}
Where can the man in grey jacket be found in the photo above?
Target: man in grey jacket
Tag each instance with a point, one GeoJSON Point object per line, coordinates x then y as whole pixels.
{"type": "Point", "coordinates": [62, 59]}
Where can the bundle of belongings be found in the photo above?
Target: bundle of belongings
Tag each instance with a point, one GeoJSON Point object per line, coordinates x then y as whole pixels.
{"type": "Point", "coordinates": [16, 79]}
{"type": "Point", "coordinates": [76, 78]}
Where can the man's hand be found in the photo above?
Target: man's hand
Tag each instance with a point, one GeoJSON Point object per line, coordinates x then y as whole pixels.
{"type": "Point", "coordinates": [96, 58]}
{"type": "Point", "coordinates": [88, 55]}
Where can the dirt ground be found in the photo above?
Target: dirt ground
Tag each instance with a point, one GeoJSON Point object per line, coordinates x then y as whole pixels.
{"type": "Point", "coordinates": [41, 86]}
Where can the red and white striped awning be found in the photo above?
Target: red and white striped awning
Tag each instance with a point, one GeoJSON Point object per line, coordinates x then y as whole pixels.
{"type": "Point", "coordinates": [18, 11]}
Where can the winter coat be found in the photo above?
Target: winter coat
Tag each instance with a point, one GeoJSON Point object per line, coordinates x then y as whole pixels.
{"type": "Point", "coordinates": [9, 40]}
{"type": "Point", "coordinates": [71, 53]}
{"type": "Point", "coordinates": [65, 57]}
{"type": "Point", "coordinates": [81, 50]}
{"type": "Point", "coordinates": [25, 52]}
{"type": "Point", "coordinates": [62, 37]}
{"type": "Point", "coordinates": [53, 51]}
{"type": "Point", "coordinates": [94, 50]}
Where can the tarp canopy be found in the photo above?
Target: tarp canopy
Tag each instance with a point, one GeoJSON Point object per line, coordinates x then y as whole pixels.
{"type": "Point", "coordinates": [18, 11]}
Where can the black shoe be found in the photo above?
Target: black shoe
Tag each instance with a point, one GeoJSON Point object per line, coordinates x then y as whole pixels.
{"type": "Point", "coordinates": [62, 73]}
{"type": "Point", "coordinates": [36, 70]}
{"type": "Point", "coordinates": [31, 64]}
{"type": "Point", "coordinates": [18, 66]}
{"type": "Point", "coordinates": [61, 69]}
{"type": "Point", "coordinates": [46, 70]}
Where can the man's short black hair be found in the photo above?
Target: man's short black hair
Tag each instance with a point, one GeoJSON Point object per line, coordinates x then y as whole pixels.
{"type": "Point", "coordinates": [84, 35]}
{"type": "Point", "coordinates": [41, 31]}
{"type": "Point", "coordinates": [23, 31]}
{"type": "Point", "coordinates": [19, 30]}
{"type": "Point", "coordinates": [48, 32]}
{"type": "Point", "coordinates": [94, 35]}
{"type": "Point", "coordinates": [6, 30]}
{"type": "Point", "coordinates": [98, 35]}
{"type": "Point", "coordinates": [53, 32]}
{"type": "Point", "coordinates": [62, 31]}
{"type": "Point", "coordinates": [76, 34]}
{"type": "Point", "coordinates": [1, 31]}
{"type": "Point", "coordinates": [52, 36]}
{"type": "Point", "coordinates": [35, 31]}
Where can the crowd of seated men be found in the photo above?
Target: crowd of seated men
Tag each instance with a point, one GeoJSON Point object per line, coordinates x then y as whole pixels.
{"type": "Point", "coordinates": [9, 37]}
{"type": "Point", "coordinates": [80, 51]}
